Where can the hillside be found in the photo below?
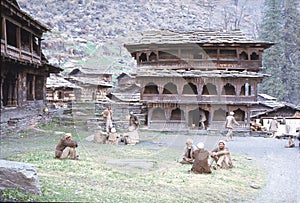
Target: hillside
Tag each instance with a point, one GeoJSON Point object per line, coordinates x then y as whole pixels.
{"type": "Point", "coordinates": [91, 33]}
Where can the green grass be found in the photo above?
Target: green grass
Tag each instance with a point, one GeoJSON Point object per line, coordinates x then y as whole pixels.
{"type": "Point", "coordinates": [94, 179]}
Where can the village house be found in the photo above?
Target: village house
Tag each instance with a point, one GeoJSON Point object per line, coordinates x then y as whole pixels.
{"type": "Point", "coordinates": [190, 77]}
{"type": "Point", "coordinates": [60, 91]}
{"type": "Point", "coordinates": [24, 68]}
{"type": "Point", "coordinates": [95, 85]}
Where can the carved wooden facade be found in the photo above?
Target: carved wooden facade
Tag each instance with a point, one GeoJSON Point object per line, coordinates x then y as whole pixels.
{"type": "Point", "coordinates": [24, 68]}
{"type": "Point", "coordinates": [189, 77]}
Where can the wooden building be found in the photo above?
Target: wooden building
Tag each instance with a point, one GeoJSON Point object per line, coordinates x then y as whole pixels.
{"type": "Point", "coordinates": [95, 85]}
{"type": "Point", "coordinates": [24, 68]}
{"type": "Point", "coordinates": [203, 75]}
{"type": "Point", "coordinates": [60, 90]}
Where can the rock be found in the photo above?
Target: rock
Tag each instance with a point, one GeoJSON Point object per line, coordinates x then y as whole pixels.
{"type": "Point", "coordinates": [254, 186]}
{"type": "Point", "coordinates": [19, 175]}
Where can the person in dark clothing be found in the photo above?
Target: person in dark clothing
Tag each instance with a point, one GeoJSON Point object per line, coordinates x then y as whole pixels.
{"type": "Point", "coordinates": [133, 121]}
{"type": "Point", "coordinates": [66, 148]}
{"type": "Point", "coordinates": [200, 164]}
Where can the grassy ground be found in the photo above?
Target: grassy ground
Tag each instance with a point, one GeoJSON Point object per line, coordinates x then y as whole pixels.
{"type": "Point", "coordinates": [105, 173]}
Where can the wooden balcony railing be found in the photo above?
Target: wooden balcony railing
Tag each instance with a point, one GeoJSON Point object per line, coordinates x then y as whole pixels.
{"type": "Point", "coordinates": [206, 64]}
{"type": "Point", "coordinates": [164, 98]}
{"type": "Point", "coordinates": [19, 54]}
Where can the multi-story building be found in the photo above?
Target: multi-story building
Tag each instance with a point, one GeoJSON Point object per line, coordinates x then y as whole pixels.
{"type": "Point", "coordinates": [24, 68]}
{"type": "Point", "coordinates": [198, 77]}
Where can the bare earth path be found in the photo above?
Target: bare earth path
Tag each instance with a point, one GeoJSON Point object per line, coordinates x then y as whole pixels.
{"type": "Point", "coordinates": [282, 164]}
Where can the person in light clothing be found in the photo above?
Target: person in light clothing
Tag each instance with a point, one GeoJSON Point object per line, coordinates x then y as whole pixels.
{"type": "Point", "coordinates": [230, 121]}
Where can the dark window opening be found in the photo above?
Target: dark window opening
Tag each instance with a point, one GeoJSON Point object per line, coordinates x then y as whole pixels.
{"type": "Point", "coordinates": [254, 56]}
{"type": "Point", "coordinates": [219, 115]}
{"type": "Point", "coordinates": [29, 85]}
{"type": "Point", "coordinates": [177, 114]}
{"type": "Point", "coordinates": [11, 34]}
{"type": "Point", "coordinates": [228, 89]}
{"type": "Point", "coordinates": [39, 87]}
{"type": "Point", "coordinates": [246, 90]}
{"type": "Point", "coordinates": [152, 57]}
{"type": "Point", "coordinates": [209, 89]}
{"type": "Point", "coordinates": [151, 88]}
{"type": "Point", "coordinates": [230, 54]}
{"type": "Point", "coordinates": [9, 90]}
{"type": "Point", "coordinates": [243, 56]}
{"type": "Point", "coordinates": [2, 33]}
{"type": "Point", "coordinates": [198, 117]}
{"type": "Point", "coordinates": [60, 95]}
{"type": "Point", "coordinates": [212, 53]}
{"type": "Point", "coordinates": [143, 57]}
{"type": "Point", "coordinates": [239, 115]}
{"type": "Point", "coordinates": [158, 114]}
{"type": "Point", "coordinates": [190, 88]}
{"type": "Point", "coordinates": [25, 40]}
{"type": "Point", "coordinates": [170, 88]}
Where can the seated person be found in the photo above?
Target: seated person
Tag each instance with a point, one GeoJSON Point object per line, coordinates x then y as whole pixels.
{"type": "Point", "coordinates": [132, 137]}
{"type": "Point", "coordinates": [113, 137]}
{"type": "Point", "coordinates": [100, 137]}
{"type": "Point", "coordinates": [66, 148]}
{"type": "Point", "coordinates": [291, 142]}
{"type": "Point", "coordinates": [200, 156]}
{"type": "Point", "coordinates": [188, 152]}
{"type": "Point", "coordinates": [221, 155]}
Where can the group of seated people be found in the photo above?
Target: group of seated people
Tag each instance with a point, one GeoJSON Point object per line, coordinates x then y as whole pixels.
{"type": "Point", "coordinates": [112, 137]}
{"type": "Point", "coordinates": [202, 160]}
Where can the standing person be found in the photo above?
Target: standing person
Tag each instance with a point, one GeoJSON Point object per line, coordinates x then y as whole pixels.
{"type": "Point", "coordinates": [107, 116]}
{"type": "Point", "coordinates": [230, 121]}
{"type": "Point", "coordinates": [221, 155]}
{"type": "Point", "coordinates": [66, 148]}
{"type": "Point", "coordinates": [133, 121]}
{"type": "Point", "coordinates": [188, 152]}
{"type": "Point", "coordinates": [202, 119]}
{"type": "Point", "coordinates": [200, 156]}
{"type": "Point", "coordinates": [273, 127]}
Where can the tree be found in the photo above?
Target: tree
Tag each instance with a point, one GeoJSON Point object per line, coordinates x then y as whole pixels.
{"type": "Point", "coordinates": [280, 24]}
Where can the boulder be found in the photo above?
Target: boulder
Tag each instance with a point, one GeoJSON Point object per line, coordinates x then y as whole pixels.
{"type": "Point", "coordinates": [19, 175]}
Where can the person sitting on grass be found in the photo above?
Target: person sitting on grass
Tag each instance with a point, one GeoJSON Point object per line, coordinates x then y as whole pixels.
{"type": "Point", "coordinates": [221, 155]}
{"type": "Point", "coordinates": [188, 152]}
{"type": "Point", "coordinates": [291, 142]}
{"type": "Point", "coordinates": [200, 156]}
{"type": "Point", "coordinates": [66, 148]}
{"type": "Point", "coordinates": [113, 137]}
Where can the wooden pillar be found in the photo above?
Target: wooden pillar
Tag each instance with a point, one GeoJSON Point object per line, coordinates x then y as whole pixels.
{"type": "Point", "coordinates": [18, 39]}
{"type": "Point", "coordinates": [33, 87]}
{"type": "Point", "coordinates": [4, 34]}
{"type": "Point", "coordinates": [39, 48]}
{"type": "Point", "coordinates": [1, 91]}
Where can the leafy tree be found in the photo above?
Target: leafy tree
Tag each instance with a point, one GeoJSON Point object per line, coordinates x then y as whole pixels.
{"type": "Point", "coordinates": [281, 25]}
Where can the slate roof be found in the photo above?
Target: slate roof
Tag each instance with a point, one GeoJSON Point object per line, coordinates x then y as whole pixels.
{"type": "Point", "coordinates": [91, 81]}
{"type": "Point", "coordinates": [56, 82]}
{"type": "Point", "coordinates": [200, 37]}
{"type": "Point", "coordinates": [148, 71]}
